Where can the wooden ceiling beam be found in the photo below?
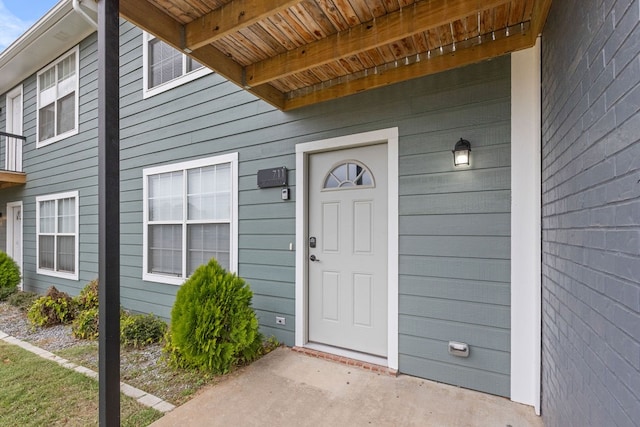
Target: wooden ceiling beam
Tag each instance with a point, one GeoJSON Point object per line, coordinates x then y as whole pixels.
{"type": "Point", "coordinates": [152, 20]}
{"type": "Point", "coordinates": [384, 30]}
{"type": "Point", "coordinates": [161, 25]}
{"type": "Point", "coordinates": [539, 16]}
{"type": "Point", "coordinates": [459, 58]}
{"type": "Point", "coordinates": [230, 18]}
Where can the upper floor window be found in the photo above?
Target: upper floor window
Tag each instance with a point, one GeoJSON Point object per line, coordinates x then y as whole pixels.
{"type": "Point", "coordinates": [166, 67]}
{"type": "Point", "coordinates": [190, 216]}
{"type": "Point", "coordinates": [57, 89]}
{"type": "Point", "coordinates": [57, 235]}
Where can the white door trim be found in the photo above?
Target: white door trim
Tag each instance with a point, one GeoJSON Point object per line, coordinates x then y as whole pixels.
{"type": "Point", "coordinates": [9, 248]}
{"type": "Point", "coordinates": [390, 137]}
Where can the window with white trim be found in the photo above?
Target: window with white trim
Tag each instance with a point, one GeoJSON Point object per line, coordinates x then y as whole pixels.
{"type": "Point", "coordinates": [190, 216]}
{"type": "Point", "coordinates": [57, 235]}
{"type": "Point", "coordinates": [57, 99]}
{"type": "Point", "coordinates": [165, 67]}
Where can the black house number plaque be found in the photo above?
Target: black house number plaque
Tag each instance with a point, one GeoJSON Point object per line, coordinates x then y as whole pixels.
{"type": "Point", "coordinates": [274, 177]}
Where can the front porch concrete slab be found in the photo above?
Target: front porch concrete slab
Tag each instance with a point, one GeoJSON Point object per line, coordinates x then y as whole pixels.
{"type": "Point", "coordinates": [290, 388]}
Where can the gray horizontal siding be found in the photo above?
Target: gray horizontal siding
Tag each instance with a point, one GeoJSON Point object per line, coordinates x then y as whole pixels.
{"type": "Point", "coordinates": [455, 237]}
{"type": "Point", "coordinates": [454, 224]}
{"type": "Point", "coordinates": [453, 279]}
{"type": "Point", "coordinates": [66, 165]}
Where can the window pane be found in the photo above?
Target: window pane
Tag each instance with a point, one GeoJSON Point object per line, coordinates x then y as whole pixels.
{"type": "Point", "coordinates": [200, 193]}
{"type": "Point", "coordinates": [45, 252]}
{"type": "Point", "coordinates": [67, 67]}
{"type": "Point", "coordinates": [206, 241]}
{"type": "Point", "coordinates": [165, 197]}
{"type": "Point", "coordinates": [165, 249]}
{"type": "Point", "coordinates": [46, 120]}
{"type": "Point", "coordinates": [67, 215]}
{"type": "Point", "coordinates": [66, 113]}
{"type": "Point", "coordinates": [47, 216]}
{"type": "Point", "coordinates": [47, 79]}
{"type": "Point", "coordinates": [348, 175]}
{"type": "Point", "coordinates": [223, 192]}
{"type": "Point", "coordinates": [66, 254]}
{"type": "Point", "coordinates": [165, 63]}
{"type": "Point", "coordinates": [192, 64]}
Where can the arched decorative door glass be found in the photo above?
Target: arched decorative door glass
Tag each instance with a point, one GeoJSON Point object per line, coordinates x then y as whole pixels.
{"type": "Point", "coordinates": [348, 174]}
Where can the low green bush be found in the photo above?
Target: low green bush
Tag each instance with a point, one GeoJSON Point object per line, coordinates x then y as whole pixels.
{"type": "Point", "coordinates": [213, 325]}
{"type": "Point", "coordinates": [88, 297]}
{"type": "Point", "coordinates": [54, 308]}
{"type": "Point", "coordinates": [139, 330]}
{"type": "Point", "coordinates": [23, 300]}
{"type": "Point", "coordinates": [9, 276]}
{"type": "Point", "coordinates": [85, 325]}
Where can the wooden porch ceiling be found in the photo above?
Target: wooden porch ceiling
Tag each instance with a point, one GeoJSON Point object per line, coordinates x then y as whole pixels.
{"type": "Point", "coordinates": [293, 53]}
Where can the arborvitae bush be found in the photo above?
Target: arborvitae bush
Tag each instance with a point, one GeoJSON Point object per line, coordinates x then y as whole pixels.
{"type": "Point", "coordinates": [9, 276]}
{"type": "Point", "coordinates": [23, 300]}
{"type": "Point", "coordinates": [139, 330]}
{"type": "Point", "coordinates": [85, 325]}
{"type": "Point", "coordinates": [88, 297]}
{"type": "Point", "coordinates": [213, 325]}
{"type": "Point", "coordinates": [53, 308]}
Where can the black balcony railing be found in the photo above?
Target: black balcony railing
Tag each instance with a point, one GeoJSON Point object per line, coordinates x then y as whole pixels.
{"type": "Point", "coordinates": [11, 152]}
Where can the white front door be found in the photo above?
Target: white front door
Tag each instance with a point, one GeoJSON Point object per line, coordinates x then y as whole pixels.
{"type": "Point", "coordinates": [13, 148]}
{"type": "Point", "coordinates": [347, 229]}
{"type": "Point", "coordinates": [14, 233]}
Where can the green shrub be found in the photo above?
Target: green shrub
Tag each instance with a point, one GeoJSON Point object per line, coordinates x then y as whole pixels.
{"type": "Point", "coordinates": [9, 276]}
{"type": "Point", "coordinates": [53, 308]}
{"type": "Point", "coordinates": [85, 325]}
{"type": "Point", "coordinates": [139, 330]}
{"type": "Point", "coordinates": [212, 323]}
{"type": "Point", "coordinates": [88, 297]}
{"type": "Point", "coordinates": [23, 300]}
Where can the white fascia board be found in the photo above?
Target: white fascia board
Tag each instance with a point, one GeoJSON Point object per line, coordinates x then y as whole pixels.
{"type": "Point", "coordinates": [55, 33]}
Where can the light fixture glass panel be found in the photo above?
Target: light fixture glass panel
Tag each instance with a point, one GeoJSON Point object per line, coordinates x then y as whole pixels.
{"type": "Point", "coordinates": [462, 157]}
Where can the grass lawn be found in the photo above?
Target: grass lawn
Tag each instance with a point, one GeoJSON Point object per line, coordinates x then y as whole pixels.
{"type": "Point", "coordinates": [37, 392]}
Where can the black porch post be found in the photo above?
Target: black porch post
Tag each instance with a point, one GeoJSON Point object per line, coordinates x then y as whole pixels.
{"type": "Point", "coordinates": [109, 211]}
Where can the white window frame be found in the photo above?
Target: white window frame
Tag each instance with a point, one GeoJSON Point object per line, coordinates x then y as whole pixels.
{"type": "Point", "coordinates": [232, 159]}
{"type": "Point", "coordinates": [59, 196]}
{"type": "Point", "coordinates": [186, 77]}
{"type": "Point", "coordinates": [73, 131]}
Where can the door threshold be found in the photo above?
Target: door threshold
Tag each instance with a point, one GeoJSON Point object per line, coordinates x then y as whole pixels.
{"type": "Point", "coordinates": [347, 357]}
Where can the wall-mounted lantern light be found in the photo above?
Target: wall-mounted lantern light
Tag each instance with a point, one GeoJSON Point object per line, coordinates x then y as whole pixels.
{"type": "Point", "coordinates": [461, 153]}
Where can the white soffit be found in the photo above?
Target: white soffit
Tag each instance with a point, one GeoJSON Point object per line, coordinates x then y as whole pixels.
{"type": "Point", "coordinates": [55, 33]}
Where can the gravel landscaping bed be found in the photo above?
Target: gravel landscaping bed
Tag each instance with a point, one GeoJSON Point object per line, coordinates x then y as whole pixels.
{"type": "Point", "coordinates": [143, 368]}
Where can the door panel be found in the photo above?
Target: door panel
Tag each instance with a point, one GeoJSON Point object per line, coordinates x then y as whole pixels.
{"type": "Point", "coordinates": [14, 234]}
{"type": "Point", "coordinates": [348, 267]}
{"type": "Point", "coordinates": [330, 281]}
{"type": "Point", "coordinates": [362, 299]}
{"type": "Point", "coordinates": [330, 227]}
{"type": "Point", "coordinates": [363, 227]}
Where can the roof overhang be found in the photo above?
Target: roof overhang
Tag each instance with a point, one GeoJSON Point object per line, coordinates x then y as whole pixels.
{"type": "Point", "coordinates": [293, 53]}
{"type": "Point", "coordinates": [56, 32]}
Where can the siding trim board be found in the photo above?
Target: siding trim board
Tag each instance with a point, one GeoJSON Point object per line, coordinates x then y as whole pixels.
{"type": "Point", "coordinates": [526, 227]}
{"type": "Point", "coordinates": [303, 150]}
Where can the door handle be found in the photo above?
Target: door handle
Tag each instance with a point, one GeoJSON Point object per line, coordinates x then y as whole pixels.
{"type": "Point", "coordinates": [313, 258]}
